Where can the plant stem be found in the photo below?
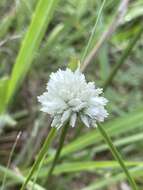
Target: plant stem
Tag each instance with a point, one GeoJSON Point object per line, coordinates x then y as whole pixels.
{"type": "Point", "coordinates": [93, 32]}
{"type": "Point", "coordinates": [10, 158]}
{"type": "Point", "coordinates": [40, 156]}
{"type": "Point", "coordinates": [122, 59]}
{"type": "Point", "coordinates": [62, 138]}
{"type": "Point", "coordinates": [105, 36]}
{"type": "Point", "coordinates": [117, 156]}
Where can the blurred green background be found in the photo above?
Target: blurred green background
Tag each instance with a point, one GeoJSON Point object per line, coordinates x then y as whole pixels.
{"type": "Point", "coordinates": [62, 41]}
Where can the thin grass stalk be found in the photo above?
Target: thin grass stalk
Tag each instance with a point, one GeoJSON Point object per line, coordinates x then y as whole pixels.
{"type": "Point", "coordinates": [117, 156]}
{"type": "Point", "coordinates": [119, 177]}
{"type": "Point", "coordinates": [121, 61]}
{"type": "Point", "coordinates": [40, 156]}
{"type": "Point", "coordinates": [93, 32]}
{"type": "Point", "coordinates": [17, 178]}
{"type": "Point", "coordinates": [55, 159]}
{"type": "Point", "coordinates": [61, 143]}
{"type": "Point", "coordinates": [105, 36]}
{"type": "Point", "coordinates": [40, 20]}
{"type": "Point", "coordinates": [9, 160]}
{"type": "Point", "coordinates": [37, 172]}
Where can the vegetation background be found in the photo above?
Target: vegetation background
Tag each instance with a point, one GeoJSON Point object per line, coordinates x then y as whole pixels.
{"type": "Point", "coordinates": [106, 37]}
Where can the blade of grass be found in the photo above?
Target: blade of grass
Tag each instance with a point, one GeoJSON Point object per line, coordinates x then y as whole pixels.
{"type": "Point", "coordinates": [6, 22]}
{"type": "Point", "coordinates": [100, 184]}
{"type": "Point", "coordinates": [3, 88]}
{"type": "Point", "coordinates": [57, 154]}
{"type": "Point", "coordinates": [117, 156]}
{"type": "Point", "coordinates": [18, 178]}
{"type": "Point", "coordinates": [40, 156]}
{"type": "Point", "coordinates": [60, 146]}
{"type": "Point", "coordinates": [105, 36]}
{"type": "Point", "coordinates": [49, 43]}
{"type": "Point", "coordinates": [121, 142]}
{"type": "Point", "coordinates": [93, 32]}
{"type": "Point", "coordinates": [38, 172]}
{"type": "Point", "coordinates": [89, 166]}
{"type": "Point", "coordinates": [121, 124]}
{"type": "Point", "coordinates": [10, 158]}
{"type": "Point", "coordinates": [30, 44]}
{"type": "Point", "coordinates": [121, 61]}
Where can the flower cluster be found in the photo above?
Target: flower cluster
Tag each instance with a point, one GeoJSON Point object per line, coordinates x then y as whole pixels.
{"type": "Point", "coordinates": [69, 96]}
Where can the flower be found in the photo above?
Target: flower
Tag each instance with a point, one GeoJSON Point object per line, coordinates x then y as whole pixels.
{"type": "Point", "coordinates": [69, 96]}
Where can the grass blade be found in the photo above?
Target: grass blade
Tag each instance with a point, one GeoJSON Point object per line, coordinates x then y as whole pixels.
{"type": "Point", "coordinates": [93, 32]}
{"type": "Point", "coordinates": [136, 172]}
{"type": "Point", "coordinates": [122, 59]}
{"type": "Point", "coordinates": [3, 89]}
{"type": "Point", "coordinates": [9, 160]}
{"type": "Point", "coordinates": [18, 178]}
{"type": "Point", "coordinates": [40, 157]}
{"type": "Point", "coordinates": [117, 156]}
{"type": "Point", "coordinates": [134, 120]}
{"type": "Point", "coordinates": [30, 44]}
{"type": "Point", "coordinates": [60, 146]}
{"type": "Point", "coordinates": [89, 166]}
{"type": "Point", "coordinates": [121, 142]}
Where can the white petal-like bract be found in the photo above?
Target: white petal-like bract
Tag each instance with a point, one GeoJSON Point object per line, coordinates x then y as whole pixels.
{"type": "Point", "coordinates": [69, 96]}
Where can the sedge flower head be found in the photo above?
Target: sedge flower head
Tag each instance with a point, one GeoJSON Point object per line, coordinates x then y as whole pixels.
{"type": "Point", "coordinates": [69, 96]}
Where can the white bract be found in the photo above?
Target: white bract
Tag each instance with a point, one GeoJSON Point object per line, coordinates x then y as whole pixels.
{"type": "Point", "coordinates": [69, 96]}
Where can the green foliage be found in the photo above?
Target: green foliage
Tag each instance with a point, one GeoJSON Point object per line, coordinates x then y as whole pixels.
{"type": "Point", "coordinates": [89, 166]}
{"type": "Point", "coordinates": [30, 44]}
{"type": "Point", "coordinates": [46, 46]}
{"type": "Point", "coordinates": [3, 90]}
{"type": "Point", "coordinates": [136, 172]}
{"type": "Point", "coordinates": [115, 128]}
{"type": "Point", "coordinates": [17, 178]}
{"type": "Point", "coordinates": [40, 157]}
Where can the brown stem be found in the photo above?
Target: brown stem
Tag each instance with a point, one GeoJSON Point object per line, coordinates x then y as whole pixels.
{"type": "Point", "coordinates": [107, 34]}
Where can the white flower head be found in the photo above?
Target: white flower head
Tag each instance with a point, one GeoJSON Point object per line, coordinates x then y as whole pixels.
{"type": "Point", "coordinates": [69, 96]}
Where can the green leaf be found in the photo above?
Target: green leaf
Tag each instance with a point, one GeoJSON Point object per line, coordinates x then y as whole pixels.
{"type": "Point", "coordinates": [117, 156]}
{"type": "Point", "coordinates": [121, 142]}
{"type": "Point", "coordinates": [30, 44]}
{"type": "Point", "coordinates": [40, 157]}
{"type": "Point", "coordinates": [90, 166]}
{"type": "Point", "coordinates": [108, 181]}
{"type": "Point", "coordinates": [18, 178]}
{"type": "Point", "coordinates": [3, 91]}
{"type": "Point", "coordinates": [115, 127]}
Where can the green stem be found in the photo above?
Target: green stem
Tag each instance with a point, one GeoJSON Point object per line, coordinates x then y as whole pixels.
{"type": "Point", "coordinates": [40, 156]}
{"type": "Point", "coordinates": [60, 146]}
{"type": "Point", "coordinates": [93, 32]}
{"type": "Point", "coordinates": [117, 156]}
{"type": "Point", "coordinates": [122, 59]}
